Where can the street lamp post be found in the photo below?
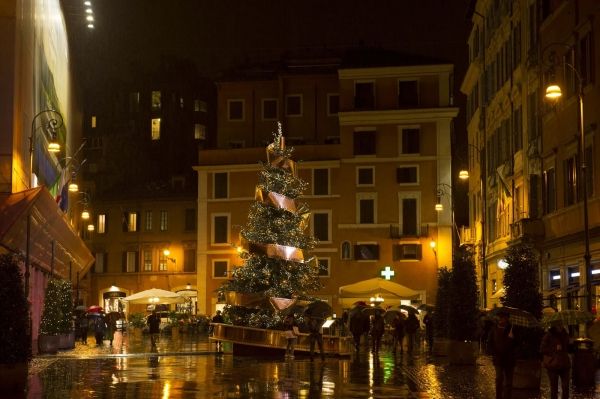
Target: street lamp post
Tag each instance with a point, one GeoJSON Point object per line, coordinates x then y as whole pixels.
{"type": "Point", "coordinates": [553, 92]}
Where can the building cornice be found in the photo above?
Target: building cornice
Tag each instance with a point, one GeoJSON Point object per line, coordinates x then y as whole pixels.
{"type": "Point", "coordinates": [395, 71]}
{"type": "Point", "coordinates": [396, 116]}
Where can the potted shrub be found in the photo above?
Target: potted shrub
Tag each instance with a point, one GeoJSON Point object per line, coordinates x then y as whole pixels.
{"type": "Point", "coordinates": [441, 312]}
{"type": "Point", "coordinates": [52, 323]}
{"type": "Point", "coordinates": [463, 310]}
{"type": "Point", "coordinates": [65, 304]}
{"type": "Point", "coordinates": [15, 338]}
{"type": "Point", "coordinates": [137, 321]}
{"type": "Point", "coordinates": [521, 283]}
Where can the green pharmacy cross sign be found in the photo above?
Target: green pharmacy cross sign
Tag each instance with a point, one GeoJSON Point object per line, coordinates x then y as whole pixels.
{"type": "Point", "coordinates": [387, 273]}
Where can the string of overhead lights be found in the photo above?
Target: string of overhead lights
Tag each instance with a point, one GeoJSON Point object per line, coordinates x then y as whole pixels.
{"type": "Point", "coordinates": [89, 14]}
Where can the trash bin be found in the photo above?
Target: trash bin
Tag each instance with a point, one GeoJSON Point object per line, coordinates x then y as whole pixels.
{"type": "Point", "coordinates": [584, 363]}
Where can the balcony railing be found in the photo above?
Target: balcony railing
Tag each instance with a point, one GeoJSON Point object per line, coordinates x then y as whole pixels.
{"type": "Point", "coordinates": [396, 231]}
{"type": "Point", "coordinates": [527, 229]}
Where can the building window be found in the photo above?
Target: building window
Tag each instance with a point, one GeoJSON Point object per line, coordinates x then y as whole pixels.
{"type": "Point", "coordinates": [407, 251]}
{"type": "Point", "coordinates": [156, 100]}
{"type": "Point", "coordinates": [100, 264]}
{"type": "Point", "coordinates": [323, 267]}
{"type": "Point", "coordinates": [570, 181]}
{"type": "Point", "coordinates": [131, 260]}
{"type": "Point", "coordinates": [93, 122]}
{"type": "Point", "coordinates": [410, 141]}
{"type": "Point", "coordinates": [554, 278]}
{"type": "Point", "coordinates": [221, 185]}
{"type": "Point", "coordinates": [365, 143]}
{"type": "Point", "coordinates": [220, 268]}
{"type": "Point", "coordinates": [321, 181]}
{"type": "Point", "coordinates": [189, 260]}
{"type": "Point", "coordinates": [333, 104]}
{"type": "Point", "coordinates": [164, 220]}
{"type": "Point", "coordinates": [269, 109]}
{"type": "Point", "coordinates": [190, 220]}
{"type": "Point", "coordinates": [235, 110]}
{"type": "Point", "coordinates": [199, 131]}
{"type": "Point", "coordinates": [408, 94]}
{"type": "Point", "coordinates": [409, 216]}
{"type": "Point", "coordinates": [147, 260]}
{"type": "Point", "coordinates": [293, 105]}
{"type": "Point", "coordinates": [366, 208]}
{"type": "Point", "coordinates": [346, 250]}
{"type": "Point", "coordinates": [407, 175]}
{"type": "Point", "coordinates": [364, 95]}
{"type": "Point", "coordinates": [101, 223]}
{"type": "Point", "coordinates": [220, 231]}
{"type": "Point", "coordinates": [573, 274]}
{"type": "Point", "coordinates": [148, 223]}
{"type": "Point", "coordinates": [549, 191]}
{"type": "Point", "coordinates": [162, 261]}
{"type": "Point", "coordinates": [130, 221]}
{"type": "Point", "coordinates": [321, 225]}
{"type": "Point", "coordinates": [199, 106]}
{"type": "Point", "coordinates": [155, 129]}
{"type": "Point", "coordinates": [366, 251]}
{"type": "Point", "coordinates": [365, 176]}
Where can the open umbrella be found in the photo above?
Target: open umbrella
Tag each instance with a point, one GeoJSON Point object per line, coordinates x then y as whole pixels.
{"type": "Point", "coordinates": [155, 295]}
{"type": "Point", "coordinates": [95, 309]}
{"type": "Point", "coordinates": [391, 314]}
{"type": "Point", "coordinates": [518, 317]}
{"type": "Point", "coordinates": [318, 309]}
{"type": "Point", "coordinates": [409, 309]}
{"type": "Point", "coordinates": [372, 310]}
{"type": "Point", "coordinates": [426, 307]}
{"type": "Point", "coordinates": [568, 317]}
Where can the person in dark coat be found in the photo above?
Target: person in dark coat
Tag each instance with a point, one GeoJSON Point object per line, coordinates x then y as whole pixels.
{"type": "Point", "coordinates": [428, 321]}
{"type": "Point", "coordinates": [315, 336]}
{"type": "Point", "coordinates": [377, 329]}
{"type": "Point", "coordinates": [153, 327]}
{"type": "Point", "coordinates": [411, 327]}
{"type": "Point", "coordinates": [83, 325]}
{"type": "Point", "coordinates": [556, 359]}
{"type": "Point", "coordinates": [358, 325]}
{"type": "Point", "coordinates": [398, 333]}
{"type": "Point", "coordinates": [501, 345]}
{"type": "Point", "coordinates": [99, 329]}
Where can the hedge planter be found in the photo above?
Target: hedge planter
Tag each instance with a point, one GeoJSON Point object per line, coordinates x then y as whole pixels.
{"type": "Point", "coordinates": [66, 341]}
{"type": "Point", "coordinates": [48, 343]}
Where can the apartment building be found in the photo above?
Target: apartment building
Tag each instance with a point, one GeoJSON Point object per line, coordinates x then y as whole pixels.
{"type": "Point", "coordinates": [374, 145]}
{"type": "Point", "coordinates": [526, 181]}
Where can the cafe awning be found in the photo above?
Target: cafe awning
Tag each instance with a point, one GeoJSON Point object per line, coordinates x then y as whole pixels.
{"type": "Point", "coordinates": [52, 239]}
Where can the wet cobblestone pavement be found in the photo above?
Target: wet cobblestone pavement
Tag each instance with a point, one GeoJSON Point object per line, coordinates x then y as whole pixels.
{"type": "Point", "coordinates": [190, 367]}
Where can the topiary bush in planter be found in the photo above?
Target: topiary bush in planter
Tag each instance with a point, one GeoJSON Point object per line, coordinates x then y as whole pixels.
{"type": "Point", "coordinates": [15, 341]}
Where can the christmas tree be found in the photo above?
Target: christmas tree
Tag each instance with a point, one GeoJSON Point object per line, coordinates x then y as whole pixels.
{"type": "Point", "coordinates": [521, 280]}
{"type": "Point", "coordinates": [57, 313]}
{"type": "Point", "coordinates": [277, 270]}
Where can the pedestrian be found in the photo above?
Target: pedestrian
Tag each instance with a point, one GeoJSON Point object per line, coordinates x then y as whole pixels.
{"type": "Point", "coordinates": [344, 322]}
{"type": "Point", "coordinates": [377, 330]}
{"type": "Point", "coordinates": [429, 328]}
{"type": "Point", "coordinates": [217, 318]}
{"type": "Point", "coordinates": [99, 329]}
{"type": "Point", "coordinates": [315, 336]}
{"type": "Point", "coordinates": [291, 332]}
{"type": "Point", "coordinates": [111, 326]}
{"type": "Point", "coordinates": [556, 359]}
{"type": "Point", "coordinates": [501, 345]}
{"type": "Point", "coordinates": [153, 327]}
{"type": "Point", "coordinates": [398, 333]}
{"type": "Point", "coordinates": [356, 324]}
{"type": "Point", "coordinates": [411, 327]}
{"type": "Point", "coordinates": [83, 325]}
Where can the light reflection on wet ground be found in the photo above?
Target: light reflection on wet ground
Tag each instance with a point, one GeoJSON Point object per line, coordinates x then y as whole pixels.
{"type": "Point", "coordinates": [190, 368]}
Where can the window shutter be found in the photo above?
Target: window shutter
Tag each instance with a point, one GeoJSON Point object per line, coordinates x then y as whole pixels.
{"type": "Point", "coordinates": [125, 221]}
{"type": "Point", "coordinates": [124, 262]}
{"type": "Point", "coordinates": [137, 260]}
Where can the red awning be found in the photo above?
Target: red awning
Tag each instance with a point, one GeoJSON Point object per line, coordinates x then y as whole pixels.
{"type": "Point", "coordinates": [48, 225]}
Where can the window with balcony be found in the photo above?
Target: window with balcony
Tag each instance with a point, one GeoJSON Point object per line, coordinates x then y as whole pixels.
{"type": "Point", "coordinates": [321, 181]}
{"type": "Point", "coordinates": [365, 142]}
{"type": "Point", "coordinates": [221, 185]}
{"type": "Point", "coordinates": [220, 230]}
{"type": "Point", "coordinates": [408, 94]}
{"type": "Point", "coordinates": [364, 95]}
{"type": "Point", "coordinates": [321, 225]}
{"type": "Point", "coordinates": [269, 109]}
{"type": "Point", "coordinates": [293, 105]}
{"type": "Point", "coordinates": [147, 253]}
{"type": "Point", "coordinates": [220, 268]}
{"type": "Point", "coordinates": [235, 110]}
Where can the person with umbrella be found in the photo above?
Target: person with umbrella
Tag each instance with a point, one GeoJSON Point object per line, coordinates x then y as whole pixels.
{"type": "Point", "coordinates": [556, 358]}
{"type": "Point", "coordinates": [153, 327]}
{"type": "Point", "coordinates": [83, 325]}
{"type": "Point", "coordinates": [99, 328]}
{"type": "Point", "coordinates": [501, 345]}
{"type": "Point", "coordinates": [428, 321]}
{"type": "Point", "coordinates": [398, 326]}
{"type": "Point", "coordinates": [411, 327]}
{"type": "Point", "coordinates": [377, 330]}
{"type": "Point", "coordinates": [315, 335]}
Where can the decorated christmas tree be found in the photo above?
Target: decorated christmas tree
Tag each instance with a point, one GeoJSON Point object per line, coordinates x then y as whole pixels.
{"type": "Point", "coordinates": [277, 272]}
{"type": "Point", "coordinates": [57, 313]}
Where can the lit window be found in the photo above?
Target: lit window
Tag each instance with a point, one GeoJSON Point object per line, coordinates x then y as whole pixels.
{"type": "Point", "coordinates": [101, 223]}
{"type": "Point", "coordinates": [156, 101]}
{"type": "Point", "coordinates": [155, 129]}
{"type": "Point", "coordinates": [130, 221]}
{"type": "Point", "coordinates": [148, 220]}
{"type": "Point", "coordinates": [199, 132]}
{"type": "Point", "coordinates": [131, 260]}
{"type": "Point", "coordinates": [162, 261]}
{"type": "Point", "coordinates": [93, 122]}
{"type": "Point", "coordinates": [164, 220]}
{"type": "Point", "coordinates": [147, 260]}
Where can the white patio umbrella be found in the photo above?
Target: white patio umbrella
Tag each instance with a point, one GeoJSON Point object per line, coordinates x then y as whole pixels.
{"type": "Point", "coordinates": [154, 296]}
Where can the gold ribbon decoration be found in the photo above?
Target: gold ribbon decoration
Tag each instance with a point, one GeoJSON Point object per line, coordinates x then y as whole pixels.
{"type": "Point", "coordinates": [275, 199]}
{"type": "Point", "coordinates": [279, 161]}
{"type": "Point", "coordinates": [275, 251]}
{"type": "Point", "coordinates": [280, 304]}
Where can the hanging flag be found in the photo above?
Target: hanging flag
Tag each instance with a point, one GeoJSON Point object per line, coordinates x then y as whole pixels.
{"type": "Point", "coordinates": [503, 192]}
{"type": "Point", "coordinates": [58, 188]}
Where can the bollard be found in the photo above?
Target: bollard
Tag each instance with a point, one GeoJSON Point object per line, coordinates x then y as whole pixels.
{"type": "Point", "coordinates": [584, 363]}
